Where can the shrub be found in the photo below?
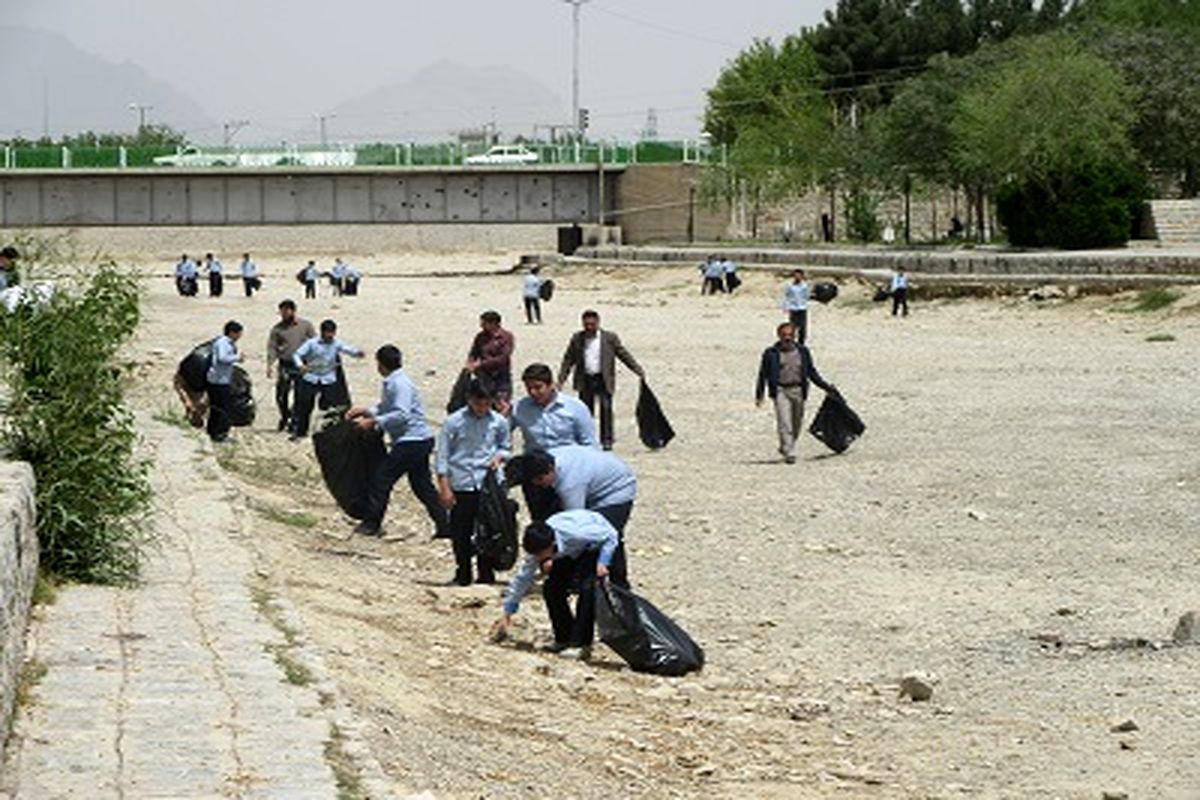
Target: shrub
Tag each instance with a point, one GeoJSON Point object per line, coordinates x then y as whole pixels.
{"type": "Point", "coordinates": [1094, 206]}
{"type": "Point", "coordinates": [1155, 298]}
{"type": "Point", "coordinates": [862, 221]}
{"type": "Point", "coordinates": [66, 417]}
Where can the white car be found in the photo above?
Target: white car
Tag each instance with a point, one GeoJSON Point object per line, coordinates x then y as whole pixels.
{"type": "Point", "coordinates": [504, 154]}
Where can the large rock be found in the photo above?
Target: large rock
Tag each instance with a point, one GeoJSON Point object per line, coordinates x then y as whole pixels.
{"type": "Point", "coordinates": [18, 573]}
{"type": "Point", "coordinates": [916, 686]}
{"type": "Point", "coordinates": [1187, 629]}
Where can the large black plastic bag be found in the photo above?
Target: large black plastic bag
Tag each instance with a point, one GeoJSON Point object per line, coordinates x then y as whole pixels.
{"type": "Point", "coordinates": [653, 428]}
{"type": "Point", "coordinates": [194, 366]}
{"type": "Point", "coordinates": [348, 456]}
{"type": "Point", "coordinates": [458, 393]}
{"type": "Point", "coordinates": [836, 424]}
{"type": "Point", "coordinates": [241, 407]}
{"type": "Point", "coordinates": [824, 292]}
{"type": "Point", "coordinates": [645, 637]}
{"type": "Point", "coordinates": [546, 290]}
{"type": "Point", "coordinates": [496, 526]}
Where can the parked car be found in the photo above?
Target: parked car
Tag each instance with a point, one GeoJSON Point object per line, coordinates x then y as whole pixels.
{"type": "Point", "coordinates": [504, 154]}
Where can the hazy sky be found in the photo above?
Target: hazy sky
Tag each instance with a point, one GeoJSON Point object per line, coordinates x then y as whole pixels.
{"type": "Point", "coordinates": [277, 62]}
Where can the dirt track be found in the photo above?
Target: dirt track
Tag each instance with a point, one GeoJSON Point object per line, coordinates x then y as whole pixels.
{"type": "Point", "coordinates": [1029, 472]}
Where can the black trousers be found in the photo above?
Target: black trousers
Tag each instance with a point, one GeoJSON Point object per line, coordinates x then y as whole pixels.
{"type": "Point", "coordinates": [287, 391]}
{"type": "Point", "coordinates": [310, 290]}
{"type": "Point", "coordinates": [216, 284]}
{"type": "Point", "coordinates": [411, 459]}
{"type": "Point", "coordinates": [307, 395]}
{"type": "Point", "coordinates": [713, 286]}
{"type": "Point", "coordinates": [249, 284]}
{"type": "Point", "coordinates": [578, 628]}
{"type": "Point", "coordinates": [533, 310]}
{"type": "Point", "coordinates": [618, 516]}
{"type": "Point", "coordinates": [799, 320]}
{"type": "Point", "coordinates": [462, 531]}
{"type": "Point", "coordinates": [220, 404]}
{"type": "Point", "coordinates": [900, 300]}
{"type": "Point", "coordinates": [594, 390]}
{"type": "Point", "coordinates": [541, 502]}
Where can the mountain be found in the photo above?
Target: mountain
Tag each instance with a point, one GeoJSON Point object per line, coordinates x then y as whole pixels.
{"type": "Point", "coordinates": [85, 91]}
{"type": "Point", "coordinates": [444, 98]}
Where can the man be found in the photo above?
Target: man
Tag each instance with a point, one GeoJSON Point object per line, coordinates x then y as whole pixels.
{"type": "Point", "coordinates": [584, 477]}
{"type": "Point", "coordinates": [548, 419]}
{"type": "Point", "coordinates": [531, 294]}
{"type": "Point", "coordinates": [310, 276]}
{"type": "Point", "coordinates": [795, 304]}
{"type": "Point", "coordinates": [472, 441]}
{"type": "Point", "coordinates": [490, 357]}
{"type": "Point", "coordinates": [732, 281]}
{"type": "Point", "coordinates": [784, 373]}
{"type": "Point", "coordinates": [401, 415]}
{"type": "Point", "coordinates": [591, 354]}
{"type": "Point", "coordinates": [714, 276]}
{"type": "Point", "coordinates": [338, 275]}
{"type": "Point", "coordinates": [573, 549]}
{"type": "Point", "coordinates": [899, 292]}
{"type": "Point", "coordinates": [351, 281]}
{"type": "Point", "coordinates": [216, 280]}
{"type": "Point", "coordinates": [317, 360]}
{"type": "Point", "coordinates": [8, 267]}
{"type": "Point", "coordinates": [250, 282]}
{"type": "Point", "coordinates": [283, 341]}
{"type": "Point", "coordinates": [220, 379]}
{"type": "Point", "coordinates": [185, 276]}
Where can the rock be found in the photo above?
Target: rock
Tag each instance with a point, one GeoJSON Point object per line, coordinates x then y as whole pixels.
{"type": "Point", "coordinates": [977, 515]}
{"type": "Point", "coordinates": [917, 686]}
{"type": "Point", "coordinates": [1114, 795]}
{"type": "Point", "coordinates": [807, 708]}
{"type": "Point", "coordinates": [1187, 629]}
{"type": "Point", "coordinates": [705, 770]}
{"type": "Point", "coordinates": [1047, 292]}
{"type": "Point", "coordinates": [1127, 745]}
{"type": "Point", "coordinates": [1128, 726]}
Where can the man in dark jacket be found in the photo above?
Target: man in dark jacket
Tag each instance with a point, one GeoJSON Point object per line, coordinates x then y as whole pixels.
{"type": "Point", "coordinates": [592, 355]}
{"type": "Point", "coordinates": [784, 374]}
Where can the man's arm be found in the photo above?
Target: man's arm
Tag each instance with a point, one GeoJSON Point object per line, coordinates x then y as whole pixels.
{"type": "Point", "coordinates": [518, 587]}
{"type": "Point", "coordinates": [626, 357]}
{"type": "Point", "coordinates": [392, 412]}
{"type": "Point", "coordinates": [225, 353]}
{"type": "Point", "coordinates": [570, 356]}
{"type": "Point", "coordinates": [301, 352]}
{"type": "Point", "coordinates": [350, 350]}
{"type": "Point", "coordinates": [497, 360]}
{"type": "Point", "coordinates": [585, 426]}
{"type": "Point", "coordinates": [572, 494]}
{"type": "Point", "coordinates": [813, 375]}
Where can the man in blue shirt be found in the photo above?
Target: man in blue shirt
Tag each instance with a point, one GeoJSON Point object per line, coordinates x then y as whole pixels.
{"type": "Point", "coordinates": [224, 355]}
{"type": "Point", "coordinates": [216, 280]}
{"type": "Point", "coordinates": [899, 288]}
{"type": "Point", "coordinates": [185, 276]}
{"type": "Point", "coordinates": [250, 281]}
{"type": "Point", "coordinates": [473, 440]}
{"type": "Point", "coordinates": [795, 305]}
{"type": "Point", "coordinates": [401, 415]}
{"type": "Point", "coordinates": [573, 549]}
{"type": "Point", "coordinates": [584, 477]}
{"type": "Point", "coordinates": [318, 360]}
{"type": "Point", "coordinates": [310, 275]}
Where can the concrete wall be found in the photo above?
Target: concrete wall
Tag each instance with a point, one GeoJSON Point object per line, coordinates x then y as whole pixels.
{"type": "Point", "coordinates": [655, 201]}
{"type": "Point", "coordinates": [18, 572]}
{"type": "Point", "coordinates": [535, 194]}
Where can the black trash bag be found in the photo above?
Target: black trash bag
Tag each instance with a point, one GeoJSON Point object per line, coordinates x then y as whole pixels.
{"type": "Point", "coordinates": [824, 292]}
{"type": "Point", "coordinates": [339, 396]}
{"type": "Point", "coordinates": [836, 424]}
{"type": "Point", "coordinates": [546, 290]}
{"type": "Point", "coordinates": [496, 524]}
{"type": "Point", "coordinates": [645, 637]}
{"type": "Point", "coordinates": [653, 428]}
{"type": "Point", "coordinates": [194, 366]}
{"type": "Point", "coordinates": [458, 392]}
{"type": "Point", "coordinates": [348, 457]}
{"type": "Point", "coordinates": [300, 275]}
{"type": "Point", "coordinates": [880, 295]}
{"type": "Point", "coordinates": [241, 410]}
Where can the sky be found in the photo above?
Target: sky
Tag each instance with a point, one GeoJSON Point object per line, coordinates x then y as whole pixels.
{"type": "Point", "coordinates": [279, 62]}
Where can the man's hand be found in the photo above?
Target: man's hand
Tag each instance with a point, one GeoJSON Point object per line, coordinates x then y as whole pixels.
{"type": "Point", "coordinates": [500, 629]}
{"type": "Point", "coordinates": [601, 570]}
{"type": "Point", "coordinates": [503, 407]}
{"type": "Point", "coordinates": [359, 354]}
{"type": "Point", "coordinates": [471, 365]}
{"type": "Point", "coordinates": [355, 411]}
{"type": "Point", "coordinates": [758, 401]}
{"type": "Point", "coordinates": [446, 497]}
{"type": "Point", "coordinates": [497, 462]}
{"type": "Point", "coordinates": [364, 423]}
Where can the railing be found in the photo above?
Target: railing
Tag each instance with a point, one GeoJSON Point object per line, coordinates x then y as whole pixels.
{"type": "Point", "coordinates": [408, 154]}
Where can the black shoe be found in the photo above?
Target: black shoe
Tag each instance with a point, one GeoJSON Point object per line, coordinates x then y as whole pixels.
{"type": "Point", "coordinates": [607, 445]}
{"type": "Point", "coordinates": [283, 423]}
{"type": "Point", "coordinates": [367, 528]}
{"type": "Point", "coordinates": [459, 580]}
{"type": "Point", "coordinates": [486, 578]}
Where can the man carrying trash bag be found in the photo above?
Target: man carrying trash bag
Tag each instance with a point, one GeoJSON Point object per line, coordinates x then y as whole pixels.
{"type": "Point", "coordinates": [784, 374]}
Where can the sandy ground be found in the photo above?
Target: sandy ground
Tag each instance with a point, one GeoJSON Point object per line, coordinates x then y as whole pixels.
{"type": "Point", "coordinates": [1025, 496]}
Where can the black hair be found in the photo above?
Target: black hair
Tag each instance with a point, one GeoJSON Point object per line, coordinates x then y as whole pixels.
{"type": "Point", "coordinates": [476, 390]}
{"type": "Point", "coordinates": [233, 326]}
{"type": "Point", "coordinates": [538, 536]}
{"type": "Point", "coordinates": [590, 313]}
{"type": "Point", "coordinates": [538, 372]}
{"type": "Point", "coordinates": [10, 253]}
{"type": "Point", "coordinates": [490, 316]}
{"type": "Point", "coordinates": [389, 356]}
{"type": "Point", "coordinates": [328, 325]}
{"type": "Point", "coordinates": [538, 463]}
{"type": "Point", "coordinates": [287, 304]}
{"type": "Point", "coordinates": [208, 255]}
{"type": "Point", "coordinates": [779, 328]}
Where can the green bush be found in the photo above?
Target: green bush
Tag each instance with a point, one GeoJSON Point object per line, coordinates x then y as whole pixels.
{"type": "Point", "coordinates": [1155, 298]}
{"type": "Point", "coordinates": [66, 416]}
{"type": "Point", "coordinates": [862, 219]}
{"type": "Point", "coordinates": [1095, 206]}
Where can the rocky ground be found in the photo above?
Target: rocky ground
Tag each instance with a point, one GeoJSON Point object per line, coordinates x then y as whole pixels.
{"type": "Point", "coordinates": [1017, 524]}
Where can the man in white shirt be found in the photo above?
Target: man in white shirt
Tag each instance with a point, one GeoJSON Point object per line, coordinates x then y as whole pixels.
{"type": "Point", "coordinates": [795, 304]}
{"type": "Point", "coordinates": [216, 280]}
{"type": "Point", "coordinates": [531, 293]}
{"type": "Point", "coordinates": [899, 292]}
{"type": "Point", "coordinates": [592, 354]}
{"type": "Point", "coordinates": [714, 276]}
{"type": "Point", "coordinates": [310, 275]}
{"type": "Point", "coordinates": [250, 280]}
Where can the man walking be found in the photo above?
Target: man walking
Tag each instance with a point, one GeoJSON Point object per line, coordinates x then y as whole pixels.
{"type": "Point", "coordinates": [185, 276]}
{"type": "Point", "coordinates": [401, 415]}
{"type": "Point", "coordinates": [795, 305]}
{"type": "Point", "coordinates": [283, 341]}
{"type": "Point", "coordinates": [216, 280]}
{"type": "Point", "coordinates": [318, 360]}
{"type": "Point", "coordinates": [573, 549]}
{"type": "Point", "coordinates": [899, 289]}
{"type": "Point", "coordinates": [220, 379]}
{"type": "Point", "coordinates": [338, 275]}
{"type": "Point", "coordinates": [591, 355]}
{"type": "Point", "coordinates": [250, 282]}
{"type": "Point", "coordinates": [784, 375]}
{"type": "Point", "coordinates": [531, 294]}
{"type": "Point", "coordinates": [473, 440]}
{"type": "Point", "coordinates": [490, 357]}
{"type": "Point", "coordinates": [732, 281]}
{"type": "Point", "coordinates": [310, 275]}
{"type": "Point", "coordinates": [714, 276]}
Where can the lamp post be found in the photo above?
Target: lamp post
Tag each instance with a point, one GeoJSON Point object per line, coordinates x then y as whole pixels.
{"type": "Point", "coordinates": [320, 118]}
{"type": "Point", "coordinates": [575, 6]}
{"type": "Point", "coordinates": [141, 112]}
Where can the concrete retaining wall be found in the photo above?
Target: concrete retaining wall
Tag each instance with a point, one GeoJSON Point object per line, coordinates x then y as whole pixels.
{"type": "Point", "coordinates": [18, 573]}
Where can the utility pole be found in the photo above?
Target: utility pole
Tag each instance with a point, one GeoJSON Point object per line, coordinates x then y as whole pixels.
{"type": "Point", "coordinates": [321, 119]}
{"type": "Point", "coordinates": [231, 128]}
{"type": "Point", "coordinates": [575, 6]}
{"type": "Point", "coordinates": [141, 112]}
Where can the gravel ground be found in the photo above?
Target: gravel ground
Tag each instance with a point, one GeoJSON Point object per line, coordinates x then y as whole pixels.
{"type": "Point", "coordinates": [1020, 511]}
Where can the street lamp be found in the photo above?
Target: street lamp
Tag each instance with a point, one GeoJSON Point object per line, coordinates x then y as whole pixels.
{"type": "Point", "coordinates": [321, 119]}
{"type": "Point", "coordinates": [141, 112]}
{"type": "Point", "coordinates": [575, 6]}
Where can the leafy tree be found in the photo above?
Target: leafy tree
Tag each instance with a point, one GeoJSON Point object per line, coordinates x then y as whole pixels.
{"type": "Point", "coordinates": [1177, 15]}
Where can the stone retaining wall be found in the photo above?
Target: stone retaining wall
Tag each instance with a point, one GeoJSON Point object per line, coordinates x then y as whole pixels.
{"type": "Point", "coordinates": [18, 573]}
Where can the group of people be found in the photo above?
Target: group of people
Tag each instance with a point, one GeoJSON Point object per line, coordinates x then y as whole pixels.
{"type": "Point", "coordinates": [719, 275]}
{"type": "Point", "coordinates": [187, 275]}
{"type": "Point", "coordinates": [343, 278]}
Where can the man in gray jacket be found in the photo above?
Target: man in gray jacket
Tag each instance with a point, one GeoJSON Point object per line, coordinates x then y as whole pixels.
{"type": "Point", "coordinates": [592, 355]}
{"type": "Point", "coordinates": [784, 374]}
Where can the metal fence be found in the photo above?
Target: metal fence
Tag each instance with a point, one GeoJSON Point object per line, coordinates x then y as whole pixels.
{"type": "Point", "coordinates": [408, 154]}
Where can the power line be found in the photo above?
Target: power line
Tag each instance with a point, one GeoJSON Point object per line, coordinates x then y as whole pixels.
{"type": "Point", "coordinates": [663, 28]}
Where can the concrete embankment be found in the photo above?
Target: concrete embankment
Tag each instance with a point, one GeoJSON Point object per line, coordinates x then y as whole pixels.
{"type": "Point", "coordinates": [18, 573]}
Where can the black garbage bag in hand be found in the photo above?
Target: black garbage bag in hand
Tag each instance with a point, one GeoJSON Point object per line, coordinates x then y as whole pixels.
{"type": "Point", "coordinates": [496, 526]}
{"type": "Point", "coordinates": [824, 292]}
{"type": "Point", "coordinates": [241, 396]}
{"type": "Point", "coordinates": [880, 295]}
{"type": "Point", "coordinates": [458, 393]}
{"type": "Point", "coordinates": [546, 290]}
{"type": "Point", "coordinates": [653, 428]}
{"type": "Point", "coordinates": [194, 366]}
{"type": "Point", "coordinates": [836, 424]}
{"type": "Point", "coordinates": [348, 457]}
{"type": "Point", "coordinates": [645, 637]}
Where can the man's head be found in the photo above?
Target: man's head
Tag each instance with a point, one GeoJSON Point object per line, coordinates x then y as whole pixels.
{"type": "Point", "coordinates": [8, 257]}
{"type": "Point", "coordinates": [337, 261]}
{"type": "Point", "coordinates": [312, 263]}
{"type": "Point", "coordinates": [233, 329]}
{"type": "Point", "coordinates": [539, 383]}
{"type": "Point", "coordinates": [786, 333]}
{"type": "Point", "coordinates": [535, 270]}
{"type": "Point", "coordinates": [539, 469]}
{"type": "Point", "coordinates": [797, 275]}
{"type": "Point", "coordinates": [328, 330]}
{"type": "Point", "coordinates": [208, 256]}
{"type": "Point", "coordinates": [479, 399]}
{"type": "Point", "coordinates": [287, 311]}
{"type": "Point", "coordinates": [245, 256]}
{"type": "Point", "coordinates": [591, 322]}
{"type": "Point", "coordinates": [538, 541]}
{"type": "Point", "coordinates": [388, 359]}
{"type": "Point", "coordinates": [183, 257]}
{"type": "Point", "coordinates": [489, 321]}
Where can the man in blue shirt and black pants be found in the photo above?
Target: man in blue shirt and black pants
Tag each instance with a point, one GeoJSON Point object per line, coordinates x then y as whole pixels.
{"type": "Point", "coordinates": [224, 355]}
{"type": "Point", "coordinates": [318, 360]}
